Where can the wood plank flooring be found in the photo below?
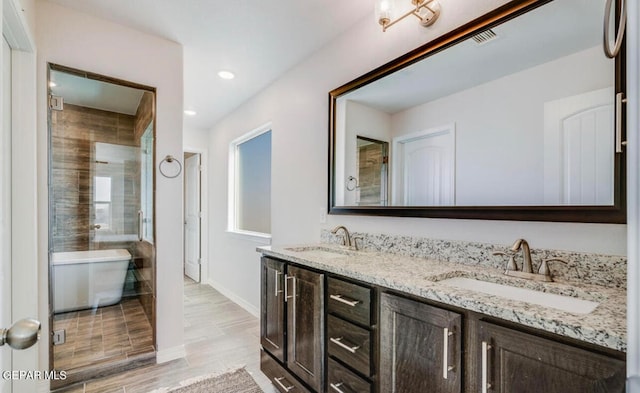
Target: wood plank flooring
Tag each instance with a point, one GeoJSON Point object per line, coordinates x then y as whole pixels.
{"type": "Point", "coordinates": [219, 335]}
{"type": "Point", "coordinates": [104, 334]}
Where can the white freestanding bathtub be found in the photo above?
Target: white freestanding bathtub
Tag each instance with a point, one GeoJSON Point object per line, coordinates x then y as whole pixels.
{"type": "Point", "coordinates": [88, 279]}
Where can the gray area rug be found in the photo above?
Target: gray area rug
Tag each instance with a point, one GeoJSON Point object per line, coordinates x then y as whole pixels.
{"type": "Point", "coordinates": [236, 381]}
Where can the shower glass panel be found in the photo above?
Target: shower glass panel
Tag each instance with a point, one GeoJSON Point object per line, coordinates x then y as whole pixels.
{"type": "Point", "coordinates": [146, 181]}
{"type": "Point", "coordinates": [101, 223]}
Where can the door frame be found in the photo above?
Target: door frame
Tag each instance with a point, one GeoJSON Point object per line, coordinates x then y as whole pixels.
{"type": "Point", "coordinates": [204, 220]}
{"type": "Point", "coordinates": [26, 250]}
{"type": "Point", "coordinates": [397, 156]}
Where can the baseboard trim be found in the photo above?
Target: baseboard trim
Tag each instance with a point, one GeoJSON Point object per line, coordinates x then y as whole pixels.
{"type": "Point", "coordinates": [169, 354]}
{"type": "Point", "coordinates": [250, 308]}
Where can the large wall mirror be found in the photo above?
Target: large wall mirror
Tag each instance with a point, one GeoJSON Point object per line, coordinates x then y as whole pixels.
{"type": "Point", "coordinates": [512, 116]}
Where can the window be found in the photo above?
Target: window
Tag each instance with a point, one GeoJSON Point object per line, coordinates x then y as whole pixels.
{"type": "Point", "coordinates": [102, 201]}
{"type": "Point", "coordinates": [250, 183]}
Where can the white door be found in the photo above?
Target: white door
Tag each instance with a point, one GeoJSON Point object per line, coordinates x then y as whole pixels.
{"type": "Point", "coordinates": [5, 211]}
{"type": "Point", "coordinates": [579, 153]}
{"type": "Point", "coordinates": [192, 218]}
{"type": "Point", "coordinates": [424, 168]}
{"type": "Point", "coordinates": [588, 157]}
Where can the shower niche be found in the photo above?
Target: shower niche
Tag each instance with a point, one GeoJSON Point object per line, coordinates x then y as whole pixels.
{"type": "Point", "coordinates": [101, 223]}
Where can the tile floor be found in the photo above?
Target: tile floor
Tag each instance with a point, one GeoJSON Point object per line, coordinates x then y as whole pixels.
{"type": "Point", "coordinates": [105, 334]}
{"type": "Point", "coordinates": [219, 335]}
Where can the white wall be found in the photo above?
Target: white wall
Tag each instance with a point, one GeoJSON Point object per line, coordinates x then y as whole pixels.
{"type": "Point", "coordinates": [297, 106]}
{"type": "Point", "coordinates": [87, 43]}
{"type": "Point", "coordinates": [633, 196]}
{"type": "Point", "coordinates": [512, 156]}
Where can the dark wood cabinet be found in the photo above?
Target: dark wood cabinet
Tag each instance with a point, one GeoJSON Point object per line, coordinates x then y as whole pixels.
{"type": "Point", "coordinates": [351, 335]}
{"type": "Point", "coordinates": [385, 342]}
{"type": "Point", "coordinates": [272, 320]}
{"type": "Point", "coordinates": [513, 361]}
{"type": "Point", "coordinates": [305, 323]}
{"type": "Point", "coordinates": [420, 347]}
{"type": "Point", "coordinates": [291, 326]}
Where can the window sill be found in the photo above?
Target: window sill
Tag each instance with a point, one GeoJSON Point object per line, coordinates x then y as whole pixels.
{"type": "Point", "coordinates": [256, 237]}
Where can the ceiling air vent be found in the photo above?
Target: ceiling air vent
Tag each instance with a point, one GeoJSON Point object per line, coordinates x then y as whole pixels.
{"type": "Point", "coordinates": [484, 37]}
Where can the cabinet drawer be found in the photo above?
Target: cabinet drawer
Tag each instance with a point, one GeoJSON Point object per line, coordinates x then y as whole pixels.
{"type": "Point", "coordinates": [280, 378]}
{"type": "Point", "coordinates": [341, 380]}
{"type": "Point", "coordinates": [350, 301]}
{"type": "Point", "coordinates": [350, 343]}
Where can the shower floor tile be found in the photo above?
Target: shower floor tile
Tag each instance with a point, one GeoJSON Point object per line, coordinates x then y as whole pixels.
{"type": "Point", "coordinates": [112, 332]}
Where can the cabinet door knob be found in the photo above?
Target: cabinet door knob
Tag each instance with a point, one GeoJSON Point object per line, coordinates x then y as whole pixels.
{"type": "Point", "coordinates": [336, 387]}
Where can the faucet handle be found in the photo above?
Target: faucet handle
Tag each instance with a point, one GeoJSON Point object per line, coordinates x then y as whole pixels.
{"type": "Point", "coordinates": [544, 266]}
{"type": "Point", "coordinates": [511, 265]}
{"type": "Point", "coordinates": [354, 240]}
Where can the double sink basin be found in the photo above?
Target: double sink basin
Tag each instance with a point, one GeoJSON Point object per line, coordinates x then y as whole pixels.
{"type": "Point", "coordinates": [553, 295]}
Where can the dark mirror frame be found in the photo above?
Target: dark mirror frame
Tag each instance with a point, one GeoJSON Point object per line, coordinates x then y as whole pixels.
{"type": "Point", "coordinates": [615, 213]}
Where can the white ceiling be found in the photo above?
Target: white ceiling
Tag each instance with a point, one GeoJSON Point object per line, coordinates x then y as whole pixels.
{"type": "Point", "coordinates": [96, 94]}
{"type": "Point", "coordinates": [256, 39]}
{"type": "Point", "coordinates": [523, 42]}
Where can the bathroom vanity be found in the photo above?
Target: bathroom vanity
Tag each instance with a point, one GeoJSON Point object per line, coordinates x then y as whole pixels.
{"type": "Point", "coordinates": [337, 320]}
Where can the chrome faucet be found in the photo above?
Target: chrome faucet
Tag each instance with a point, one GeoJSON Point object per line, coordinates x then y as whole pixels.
{"type": "Point", "coordinates": [346, 236]}
{"type": "Point", "coordinates": [527, 266]}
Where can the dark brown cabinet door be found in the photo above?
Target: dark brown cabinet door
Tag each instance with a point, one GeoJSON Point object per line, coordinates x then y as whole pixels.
{"type": "Point", "coordinates": [515, 362]}
{"type": "Point", "coordinates": [420, 347]}
{"type": "Point", "coordinates": [305, 322]}
{"type": "Point", "coordinates": [272, 323]}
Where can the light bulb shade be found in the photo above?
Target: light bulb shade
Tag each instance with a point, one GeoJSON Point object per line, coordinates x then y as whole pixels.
{"type": "Point", "coordinates": [384, 11]}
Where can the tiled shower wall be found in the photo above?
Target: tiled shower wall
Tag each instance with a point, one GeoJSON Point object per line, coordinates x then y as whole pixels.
{"type": "Point", "coordinates": [75, 130]}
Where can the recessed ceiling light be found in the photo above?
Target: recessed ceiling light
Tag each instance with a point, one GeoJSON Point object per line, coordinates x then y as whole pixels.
{"type": "Point", "coordinates": [226, 75]}
{"type": "Point", "coordinates": [189, 112]}
{"type": "Point", "coordinates": [52, 84]}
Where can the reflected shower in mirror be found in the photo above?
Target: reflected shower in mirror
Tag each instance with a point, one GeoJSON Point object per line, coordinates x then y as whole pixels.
{"type": "Point", "coordinates": [369, 187]}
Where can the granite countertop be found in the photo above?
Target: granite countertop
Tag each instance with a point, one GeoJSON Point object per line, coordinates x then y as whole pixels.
{"type": "Point", "coordinates": [605, 326]}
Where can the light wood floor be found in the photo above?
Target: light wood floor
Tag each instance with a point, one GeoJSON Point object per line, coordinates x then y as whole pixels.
{"type": "Point", "coordinates": [219, 335]}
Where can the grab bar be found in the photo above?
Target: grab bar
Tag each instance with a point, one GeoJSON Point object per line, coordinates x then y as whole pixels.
{"type": "Point", "coordinates": [140, 224]}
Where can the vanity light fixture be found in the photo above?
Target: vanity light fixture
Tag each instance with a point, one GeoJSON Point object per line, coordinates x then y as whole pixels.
{"type": "Point", "coordinates": [52, 84]}
{"type": "Point", "coordinates": [427, 11]}
{"type": "Point", "coordinates": [226, 74]}
{"type": "Point", "coordinates": [189, 112]}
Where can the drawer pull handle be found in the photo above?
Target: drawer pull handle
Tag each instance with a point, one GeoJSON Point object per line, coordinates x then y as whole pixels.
{"type": "Point", "coordinates": [485, 367]}
{"type": "Point", "coordinates": [344, 300]}
{"type": "Point", "coordinates": [286, 388]}
{"type": "Point", "coordinates": [336, 387]}
{"type": "Point", "coordinates": [445, 354]}
{"type": "Point", "coordinates": [338, 342]}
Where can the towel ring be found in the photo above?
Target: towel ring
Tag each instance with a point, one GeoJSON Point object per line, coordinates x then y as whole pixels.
{"type": "Point", "coordinates": [613, 52]}
{"type": "Point", "coordinates": [169, 159]}
{"type": "Point", "coordinates": [352, 183]}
